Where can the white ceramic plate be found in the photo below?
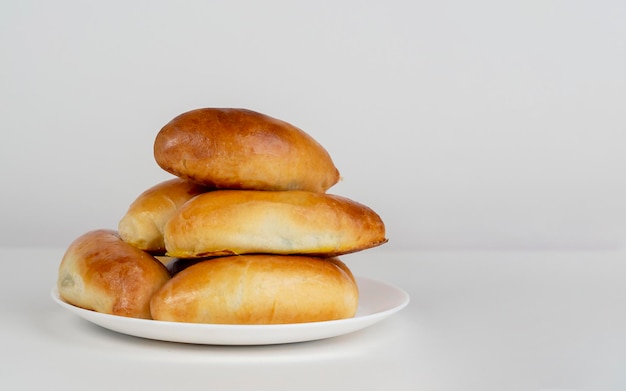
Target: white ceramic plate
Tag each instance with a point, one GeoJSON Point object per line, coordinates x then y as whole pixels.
{"type": "Point", "coordinates": [377, 301]}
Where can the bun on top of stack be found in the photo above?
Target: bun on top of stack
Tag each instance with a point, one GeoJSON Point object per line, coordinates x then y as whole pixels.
{"type": "Point", "coordinates": [249, 233]}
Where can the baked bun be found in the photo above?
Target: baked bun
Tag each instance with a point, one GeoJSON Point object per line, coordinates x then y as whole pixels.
{"type": "Point", "coordinates": [243, 149]}
{"type": "Point", "coordinates": [142, 225]}
{"type": "Point", "coordinates": [258, 289]}
{"type": "Point", "coordinates": [100, 272]}
{"type": "Point", "coordinates": [225, 222]}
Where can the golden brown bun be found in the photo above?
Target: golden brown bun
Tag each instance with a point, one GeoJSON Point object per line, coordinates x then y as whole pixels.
{"type": "Point", "coordinates": [101, 272]}
{"type": "Point", "coordinates": [258, 289]}
{"type": "Point", "coordinates": [225, 222]}
{"type": "Point", "coordinates": [243, 149]}
{"type": "Point", "coordinates": [142, 225]}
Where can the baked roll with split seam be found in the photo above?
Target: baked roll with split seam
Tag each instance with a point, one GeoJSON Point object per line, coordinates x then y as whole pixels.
{"type": "Point", "coordinates": [227, 222]}
{"type": "Point", "coordinates": [142, 225]}
{"type": "Point", "coordinates": [101, 272]}
{"type": "Point", "coordinates": [258, 289]}
{"type": "Point", "coordinates": [242, 149]}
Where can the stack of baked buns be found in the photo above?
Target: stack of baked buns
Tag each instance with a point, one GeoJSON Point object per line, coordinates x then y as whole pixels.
{"type": "Point", "coordinates": [244, 233]}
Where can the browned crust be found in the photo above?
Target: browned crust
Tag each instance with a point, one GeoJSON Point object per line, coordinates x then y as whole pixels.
{"type": "Point", "coordinates": [142, 224]}
{"type": "Point", "coordinates": [101, 272]}
{"type": "Point", "coordinates": [230, 148]}
{"type": "Point", "coordinates": [234, 222]}
{"type": "Point", "coordinates": [258, 289]}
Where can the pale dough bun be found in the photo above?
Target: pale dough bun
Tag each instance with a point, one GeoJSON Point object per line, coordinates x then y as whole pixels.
{"type": "Point", "coordinates": [226, 222]}
{"type": "Point", "coordinates": [142, 225]}
{"type": "Point", "coordinates": [258, 289]}
{"type": "Point", "coordinates": [243, 149]}
{"type": "Point", "coordinates": [101, 272]}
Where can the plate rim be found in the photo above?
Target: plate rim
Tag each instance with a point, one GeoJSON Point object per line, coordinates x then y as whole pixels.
{"type": "Point", "coordinates": [271, 333]}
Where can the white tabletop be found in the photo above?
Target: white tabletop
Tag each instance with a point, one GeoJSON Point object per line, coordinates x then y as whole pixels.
{"type": "Point", "coordinates": [476, 321]}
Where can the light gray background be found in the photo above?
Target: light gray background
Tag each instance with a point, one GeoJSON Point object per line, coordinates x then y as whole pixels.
{"type": "Point", "coordinates": [464, 124]}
